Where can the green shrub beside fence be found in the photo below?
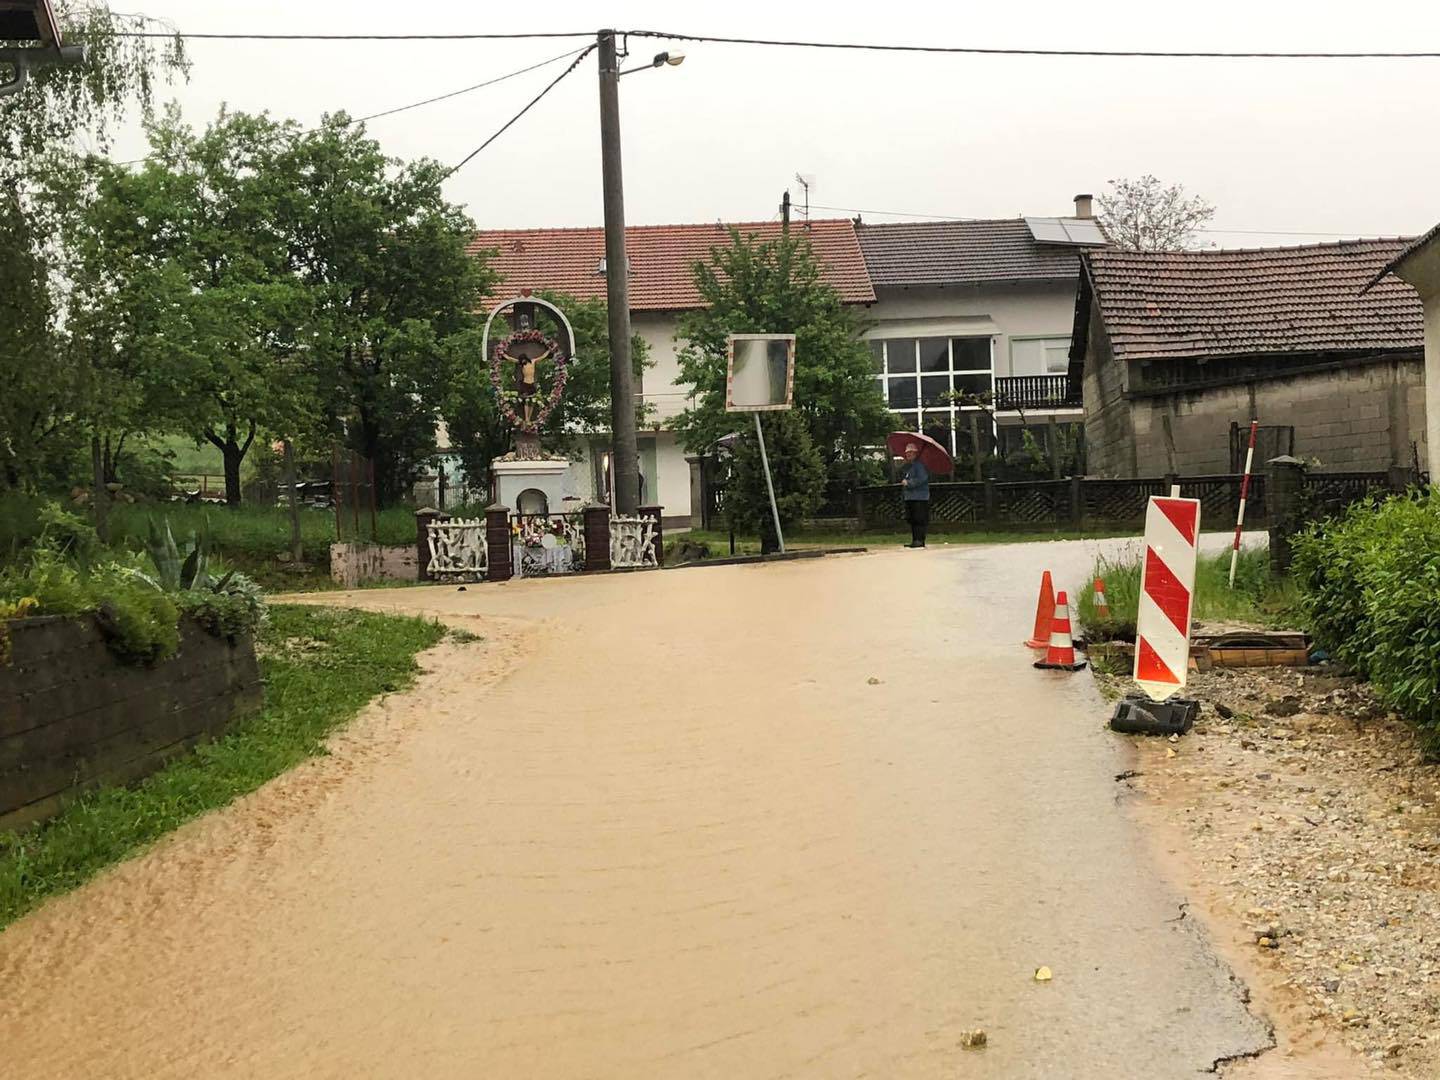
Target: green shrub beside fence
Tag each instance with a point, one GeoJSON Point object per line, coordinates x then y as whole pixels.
{"type": "Point", "coordinates": [1370, 587]}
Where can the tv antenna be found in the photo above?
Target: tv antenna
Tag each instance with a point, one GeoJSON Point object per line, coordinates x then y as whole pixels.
{"type": "Point", "coordinates": [806, 182]}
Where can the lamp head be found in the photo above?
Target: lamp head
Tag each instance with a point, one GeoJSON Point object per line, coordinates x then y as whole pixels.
{"type": "Point", "coordinates": [673, 59]}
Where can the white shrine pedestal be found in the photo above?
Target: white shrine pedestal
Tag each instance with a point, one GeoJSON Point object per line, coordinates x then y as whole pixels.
{"type": "Point", "coordinates": [516, 483]}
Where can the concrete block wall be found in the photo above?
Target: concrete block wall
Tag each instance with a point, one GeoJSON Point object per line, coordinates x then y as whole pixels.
{"type": "Point", "coordinates": [1355, 418]}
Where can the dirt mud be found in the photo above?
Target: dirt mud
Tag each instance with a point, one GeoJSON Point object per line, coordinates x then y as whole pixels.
{"type": "Point", "coordinates": [802, 820]}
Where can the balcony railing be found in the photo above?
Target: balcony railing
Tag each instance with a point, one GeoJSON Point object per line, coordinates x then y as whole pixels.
{"type": "Point", "coordinates": [1037, 392]}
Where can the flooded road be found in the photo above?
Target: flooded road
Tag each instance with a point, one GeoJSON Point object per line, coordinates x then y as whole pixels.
{"type": "Point", "coordinates": [812, 819]}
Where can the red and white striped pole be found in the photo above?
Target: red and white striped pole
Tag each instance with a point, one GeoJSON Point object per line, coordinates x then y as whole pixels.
{"type": "Point", "coordinates": [1244, 494]}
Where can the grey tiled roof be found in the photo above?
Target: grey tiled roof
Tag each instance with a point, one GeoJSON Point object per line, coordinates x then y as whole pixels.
{"type": "Point", "coordinates": [960, 252]}
{"type": "Point", "coordinates": [1252, 302]}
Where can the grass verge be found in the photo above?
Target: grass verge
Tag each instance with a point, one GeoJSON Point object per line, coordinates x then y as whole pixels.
{"type": "Point", "coordinates": [1257, 599]}
{"type": "Point", "coordinates": [719, 542]}
{"type": "Point", "coordinates": [320, 666]}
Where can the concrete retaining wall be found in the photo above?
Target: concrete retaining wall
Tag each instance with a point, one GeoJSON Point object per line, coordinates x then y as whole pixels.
{"type": "Point", "coordinates": [72, 716]}
{"type": "Point", "coordinates": [352, 564]}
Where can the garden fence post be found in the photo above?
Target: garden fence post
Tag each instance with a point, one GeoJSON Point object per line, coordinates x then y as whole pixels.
{"type": "Point", "coordinates": [1285, 497]}
{"type": "Point", "coordinates": [1401, 477]}
{"type": "Point", "coordinates": [653, 512]}
{"type": "Point", "coordinates": [1077, 503]}
{"type": "Point", "coordinates": [499, 560]}
{"type": "Point", "coordinates": [424, 517]}
{"type": "Point", "coordinates": [597, 537]}
{"type": "Point", "coordinates": [989, 487]}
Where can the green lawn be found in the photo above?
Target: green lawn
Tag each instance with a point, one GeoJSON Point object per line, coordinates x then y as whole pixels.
{"type": "Point", "coordinates": [320, 666]}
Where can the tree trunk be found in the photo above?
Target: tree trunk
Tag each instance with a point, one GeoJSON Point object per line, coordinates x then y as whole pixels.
{"type": "Point", "coordinates": [233, 451]}
{"type": "Point", "coordinates": [99, 494]}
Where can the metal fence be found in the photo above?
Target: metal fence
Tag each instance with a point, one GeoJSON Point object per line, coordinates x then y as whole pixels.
{"type": "Point", "coordinates": [1085, 502]}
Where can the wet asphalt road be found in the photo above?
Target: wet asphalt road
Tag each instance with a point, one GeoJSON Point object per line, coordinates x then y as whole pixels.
{"type": "Point", "coordinates": [664, 825]}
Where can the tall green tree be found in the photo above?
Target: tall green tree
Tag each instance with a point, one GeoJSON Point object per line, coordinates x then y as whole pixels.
{"type": "Point", "coordinates": [395, 292]}
{"type": "Point", "coordinates": [776, 286]}
{"type": "Point", "coordinates": [60, 106]}
{"type": "Point", "coordinates": [479, 431]}
{"type": "Point", "coordinates": [201, 226]}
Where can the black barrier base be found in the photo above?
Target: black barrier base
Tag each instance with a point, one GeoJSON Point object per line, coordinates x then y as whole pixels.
{"type": "Point", "coordinates": [1138, 715]}
{"type": "Point", "coordinates": [1060, 667]}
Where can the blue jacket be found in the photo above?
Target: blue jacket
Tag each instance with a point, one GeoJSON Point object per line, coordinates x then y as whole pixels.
{"type": "Point", "coordinates": [918, 476]}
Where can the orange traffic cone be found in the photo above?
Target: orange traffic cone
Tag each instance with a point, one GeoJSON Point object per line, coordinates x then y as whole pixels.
{"type": "Point", "coordinates": [1061, 653]}
{"type": "Point", "coordinates": [1102, 606]}
{"type": "Point", "coordinates": [1044, 614]}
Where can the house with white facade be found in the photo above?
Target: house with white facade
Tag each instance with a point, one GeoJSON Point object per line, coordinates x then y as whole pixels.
{"type": "Point", "coordinates": [978, 306]}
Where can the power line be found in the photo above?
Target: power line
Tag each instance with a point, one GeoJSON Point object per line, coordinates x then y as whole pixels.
{"type": "Point", "coordinates": [416, 104]}
{"type": "Point", "coordinates": [532, 103]}
{"type": "Point", "coordinates": [350, 37]}
{"type": "Point", "coordinates": [466, 90]}
{"type": "Point", "coordinates": [970, 50]}
{"type": "Point", "coordinates": [967, 50]}
{"type": "Point", "coordinates": [952, 217]}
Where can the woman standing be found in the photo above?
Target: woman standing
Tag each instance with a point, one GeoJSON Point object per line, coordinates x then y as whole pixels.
{"type": "Point", "coordinates": [915, 482]}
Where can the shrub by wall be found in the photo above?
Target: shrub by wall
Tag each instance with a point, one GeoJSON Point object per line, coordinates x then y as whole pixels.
{"type": "Point", "coordinates": [1370, 587]}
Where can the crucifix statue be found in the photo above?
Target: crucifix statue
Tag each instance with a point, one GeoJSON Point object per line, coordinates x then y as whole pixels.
{"type": "Point", "coordinates": [526, 356]}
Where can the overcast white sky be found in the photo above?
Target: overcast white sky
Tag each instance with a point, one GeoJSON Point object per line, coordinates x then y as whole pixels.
{"type": "Point", "coordinates": [1318, 147]}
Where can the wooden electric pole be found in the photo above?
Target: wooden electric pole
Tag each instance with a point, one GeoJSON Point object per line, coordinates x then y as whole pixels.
{"type": "Point", "coordinates": [624, 454]}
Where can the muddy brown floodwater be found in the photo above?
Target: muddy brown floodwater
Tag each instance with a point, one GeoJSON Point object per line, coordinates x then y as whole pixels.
{"type": "Point", "coordinates": [812, 819]}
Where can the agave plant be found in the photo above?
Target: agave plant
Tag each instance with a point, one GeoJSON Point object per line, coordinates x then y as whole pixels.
{"type": "Point", "coordinates": [185, 570]}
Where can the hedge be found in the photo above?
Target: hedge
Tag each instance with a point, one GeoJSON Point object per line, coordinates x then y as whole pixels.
{"type": "Point", "coordinates": [1370, 588]}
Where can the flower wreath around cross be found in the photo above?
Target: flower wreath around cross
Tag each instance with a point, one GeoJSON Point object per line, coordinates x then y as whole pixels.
{"type": "Point", "coordinates": [507, 398]}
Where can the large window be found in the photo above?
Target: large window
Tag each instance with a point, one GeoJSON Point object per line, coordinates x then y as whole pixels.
{"type": "Point", "coordinates": [917, 375]}
{"type": "Point", "coordinates": [1039, 356]}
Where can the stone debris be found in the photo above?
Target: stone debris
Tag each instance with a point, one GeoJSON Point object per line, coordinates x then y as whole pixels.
{"type": "Point", "coordinates": [1314, 812]}
{"type": "Point", "coordinates": [974, 1040]}
{"type": "Point", "coordinates": [1043, 974]}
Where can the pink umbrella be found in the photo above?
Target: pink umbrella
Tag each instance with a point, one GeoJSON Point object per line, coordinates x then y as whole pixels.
{"type": "Point", "coordinates": [934, 456]}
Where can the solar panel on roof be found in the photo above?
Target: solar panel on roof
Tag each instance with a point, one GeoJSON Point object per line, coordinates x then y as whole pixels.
{"type": "Point", "coordinates": [1070, 232]}
{"type": "Point", "coordinates": [1083, 231]}
{"type": "Point", "coordinates": [1047, 230]}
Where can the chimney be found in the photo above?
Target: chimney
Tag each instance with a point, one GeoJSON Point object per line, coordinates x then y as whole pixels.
{"type": "Point", "coordinates": [1082, 206]}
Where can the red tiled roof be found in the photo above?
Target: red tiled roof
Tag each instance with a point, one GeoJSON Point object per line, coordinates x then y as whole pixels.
{"type": "Point", "coordinates": [661, 257]}
{"type": "Point", "coordinates": [1252, 302]}
{"type": "Point", "coordinates": [957, 252]}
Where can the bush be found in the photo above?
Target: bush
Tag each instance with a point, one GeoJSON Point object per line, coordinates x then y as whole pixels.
{"type": "Point", "coordinates": [795, 467]}
{"type": "Point", "coordinates": [1369, 582]}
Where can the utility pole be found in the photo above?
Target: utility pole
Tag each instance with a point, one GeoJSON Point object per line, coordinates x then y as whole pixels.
{"type": "Point", "coordinates": [623, 451]}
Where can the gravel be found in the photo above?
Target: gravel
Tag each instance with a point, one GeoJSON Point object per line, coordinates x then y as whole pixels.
{"type": "Point", "coordinates": [1314, 812]}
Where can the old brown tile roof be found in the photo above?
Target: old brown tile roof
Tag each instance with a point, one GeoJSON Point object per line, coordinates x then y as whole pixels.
{"type": "Point", "coordinates": [1250, 302]}
{"type": "Point", "coordinates": [937, 253]}
{"type": "Point", "coordinates": [1405, 253]}
{"type": "Point", "coordinates": [661, 258]}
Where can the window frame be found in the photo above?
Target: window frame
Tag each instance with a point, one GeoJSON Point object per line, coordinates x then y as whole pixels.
{"type": "Point", "coordinates": [947, 414]}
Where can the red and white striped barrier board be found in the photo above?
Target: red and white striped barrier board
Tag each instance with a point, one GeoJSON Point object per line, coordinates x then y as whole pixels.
{"type": "Point", "coordinates": [1167, 592]}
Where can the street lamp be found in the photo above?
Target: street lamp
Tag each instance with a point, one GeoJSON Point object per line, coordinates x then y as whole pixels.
{"type": "Point", "coordinates": [673, 59]}
{"type": "Point", "coordinates": [624, 451]}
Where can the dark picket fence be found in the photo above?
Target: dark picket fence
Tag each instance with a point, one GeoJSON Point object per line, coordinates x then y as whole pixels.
{"type": "Point", "coordinates": [1083, 502]}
